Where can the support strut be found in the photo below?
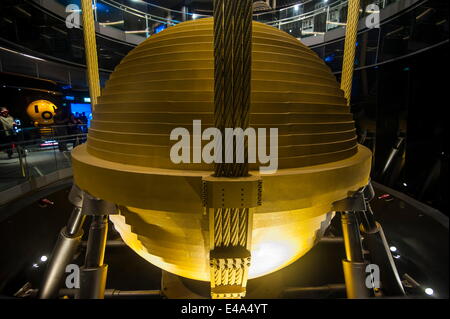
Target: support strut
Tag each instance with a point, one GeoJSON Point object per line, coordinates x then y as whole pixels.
{"type": "Point", "coordinates": [68, 242]}
{"type": "Point", "coordinates": [376, 243]}
{"type": "Point", "coordinates": [354, 265]}
{"type": "Point", "coordinates": [93, 274]}
{"type": "Point", "coordinates": [358, 220]}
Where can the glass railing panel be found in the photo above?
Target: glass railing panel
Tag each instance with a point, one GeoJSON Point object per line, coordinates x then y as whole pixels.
{"type": "Point", "coordinates": [300, 20]}
{"type": "Point", "coordinates": [37, 151]}
{"type": "Point", "coordinates": [164, 16]}
{"type": "Point", "coordinates": [267, 17]}
{"type": "Point", "coordinates": [135, 24]}
{"type": "Point", "coordinates": [141, 15]}
{"type": "Point", "coordinates": [13, 168]}
{"type": "Point", "coordinates": [336, 16]}
{"type": "Point", "coordinates": [41, 160]}
{"type": "Point", "coordinates": [70, 137]}
{"type": "Point", "coordinates": [109, 16]}
{"type": "Point", "coordinates": [421, 27]}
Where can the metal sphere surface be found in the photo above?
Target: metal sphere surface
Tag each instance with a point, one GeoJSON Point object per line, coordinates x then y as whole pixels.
{"type": "Point", "coordinates": [167, 82]}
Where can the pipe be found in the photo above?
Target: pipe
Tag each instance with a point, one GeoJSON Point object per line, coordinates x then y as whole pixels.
{"type": "Point", "coordinates": [355, 279]}
{"type": "Point", "coordinates": [380, 255]}
{"type": "Point", "coordinates": [109, 243]}
{"type": "Point", "coordinates": [93, 282]}
{"type": "Point", "coordinates": [329, 287]}
{"type": "Point", "coordinates": [95, 252]}
{"type": "Point", "coordinates": [313, 292]}
{"type": "Point", "coordinates": [75, 222]}
{"type": "Point", "coordinates": [354, 266]}
{"type": "Point", "coordinates": [367, 219]}
{"type": "Point", "coordinates": [352, 238]}
{"type": "Point", "coordinates": [68, 241]}
{"type": "Point", "coordinates": [132, 293]}
{"type": "Point", "coordinates": [392, 154]}
{"type": "Point", "coordinates": [93, 274]}
{"type": "Point", "coordinates": [111, 293]}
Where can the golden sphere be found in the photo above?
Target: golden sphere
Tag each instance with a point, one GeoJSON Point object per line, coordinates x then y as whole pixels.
{"type": "Point", "coordinates": [167, 82]}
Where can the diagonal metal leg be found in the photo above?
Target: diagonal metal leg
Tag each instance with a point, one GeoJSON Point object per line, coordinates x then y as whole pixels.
{"type": "Point", "coordinates": [68, 242]}
{"type": "Point", "coordinates": [376, 243]}
{"type": "Point", "coordinates": [374, 240]}
{"type": "Point", "coordinates": [354, 265]}
{"type": "Point", "coordinates": [93, 273]}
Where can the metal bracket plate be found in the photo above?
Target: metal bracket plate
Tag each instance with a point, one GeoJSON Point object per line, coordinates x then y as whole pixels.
{"type": "Point", "coordinates": [353, 203]}
{"type": "Point", "coordinates": [226, 192]}
{"type": "Point", "coordinates": [93, 206]}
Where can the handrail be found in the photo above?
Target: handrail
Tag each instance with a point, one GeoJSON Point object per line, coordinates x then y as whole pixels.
{"type": "Point", "coordinates": [35, 162]}
{"type": "Point", "coordinates": [282, 9]}
{"type": "Point", "coordinates": [286, 18]}
{"type": "Point", "coordinates": [53, 134]}
{"type": "Point", "coordinates": [278, 22]}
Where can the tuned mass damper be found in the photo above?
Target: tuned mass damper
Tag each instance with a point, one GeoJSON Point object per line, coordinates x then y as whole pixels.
{"type": "Point", "coordinates": [168, 82]}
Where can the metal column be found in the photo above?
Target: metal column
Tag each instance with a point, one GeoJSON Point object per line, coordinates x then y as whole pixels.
{"type": "Point", "coordinates": [93, 274]}
{"type": "Point", "coordinates": [68, 242]}
{"type": "Point", "coordinates": [354, 265]}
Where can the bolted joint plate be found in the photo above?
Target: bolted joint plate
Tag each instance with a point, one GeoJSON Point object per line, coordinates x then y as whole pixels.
{"type": "Point", "coordinates": [228, 292]}
{"type": "Point", "coordinates": [76, 196]}
{"type": "Point", "coordinates": [93, 206]}
{"type": "Point", "coordinates": [369, 192]}
{"type": "Point", "coordinates": [232, 192]}
{"type": "Point", "coordinates": [353, 203]}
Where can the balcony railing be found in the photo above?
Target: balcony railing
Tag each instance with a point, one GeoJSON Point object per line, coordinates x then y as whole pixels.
{"type": "Point", "coordinates": [31, 153]}
{"type": "Point", "coordinates": [301, 20]}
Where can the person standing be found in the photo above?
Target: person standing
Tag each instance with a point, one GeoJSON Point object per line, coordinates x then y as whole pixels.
{"type": "Point", "coordinates": [84, 122]}
{"type": "Point", "coordinates": [8, 125]}
{"type": "Point", "coordinates": [74, 129]}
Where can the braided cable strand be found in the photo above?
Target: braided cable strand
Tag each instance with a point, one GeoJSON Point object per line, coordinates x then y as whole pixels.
{"type": "Point", "coordinates": [90, 46]}
{"type": "Point", "coordinates": [223, 117]}
{"type": "Point", "coordinates": [237, 107]}
{"type": "Point", "coordinates": [234, 228]}
{"type": "Point", "coordinates": [226, 230]}
{"type": "Point", "coordinates": [218, 63]}
{"type": "Point", "coordinates": [247, 18]}
{"type": "Point", "coordinates": [232, 79]}
{"type": "Point", "coordinates": [218, 226]}
{"type": "Point", "coordinates": [243, 227]}
{"type": "Point", "coordinates": [232, 44]}
{"type": "Point", "coordinates": [247, 13]}
{"type": "Point", "coordinates": [350, 48]}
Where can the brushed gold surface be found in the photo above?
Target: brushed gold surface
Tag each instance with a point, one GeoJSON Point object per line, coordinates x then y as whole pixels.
{"type": "Point", "coordinates": [167, 82]}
